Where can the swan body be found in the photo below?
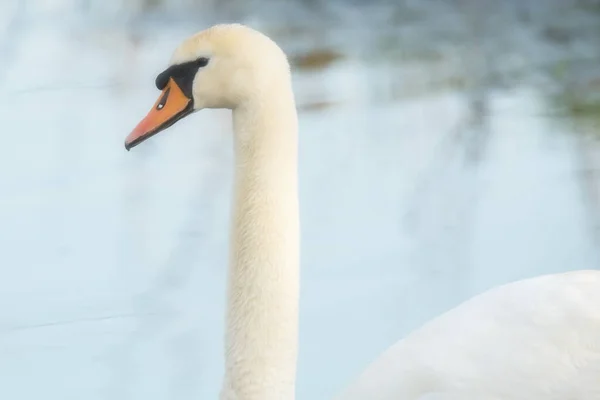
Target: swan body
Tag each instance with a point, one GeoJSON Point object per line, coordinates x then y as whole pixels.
{"type": "Point", "coordinates": [533, 339]}
{"type": "Point", "coordinates": [537, 338]}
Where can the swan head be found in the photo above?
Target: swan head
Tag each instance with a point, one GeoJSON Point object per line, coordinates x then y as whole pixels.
{"type": "Point", "coordinates": [225, 66]}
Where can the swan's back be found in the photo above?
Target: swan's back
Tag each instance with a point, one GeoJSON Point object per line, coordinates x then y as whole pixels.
{"type": "Point", "coordinates": [533, 339]}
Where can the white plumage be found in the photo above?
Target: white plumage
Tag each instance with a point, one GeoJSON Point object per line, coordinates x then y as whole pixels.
{"type": "Point", "coordinates": [537, 339]}
{"type": "Point", "coordinates": [533, 339]}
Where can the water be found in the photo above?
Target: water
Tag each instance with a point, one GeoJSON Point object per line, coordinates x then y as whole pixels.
{"type": "Point", "coordinates": [423, 182]}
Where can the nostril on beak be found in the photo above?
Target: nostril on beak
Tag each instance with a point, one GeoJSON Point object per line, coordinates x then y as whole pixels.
{"type": "Point", "coordinates": [163, 100]}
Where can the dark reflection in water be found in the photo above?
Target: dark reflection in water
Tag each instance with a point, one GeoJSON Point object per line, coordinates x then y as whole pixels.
{"type": "Point", "coordinates": [446, 147]}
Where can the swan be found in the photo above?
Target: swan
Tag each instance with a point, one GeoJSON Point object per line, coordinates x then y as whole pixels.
{"type": "Point", "coordinates": [537, 338]}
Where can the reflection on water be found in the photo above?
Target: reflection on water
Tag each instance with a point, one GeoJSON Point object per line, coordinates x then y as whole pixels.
{"type": "Point", "coordinates": [444, 150]}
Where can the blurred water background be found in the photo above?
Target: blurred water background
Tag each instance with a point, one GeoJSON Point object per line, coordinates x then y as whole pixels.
{"type": "Point", "coordinates": [446, 147]}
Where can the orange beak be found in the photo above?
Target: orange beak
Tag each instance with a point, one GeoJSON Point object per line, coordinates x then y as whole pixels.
{"type": "Point", "coordinates": [171, 106]}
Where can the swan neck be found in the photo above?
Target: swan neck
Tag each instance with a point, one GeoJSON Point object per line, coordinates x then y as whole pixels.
{"type": "Point", "coordinates": [262, 317]}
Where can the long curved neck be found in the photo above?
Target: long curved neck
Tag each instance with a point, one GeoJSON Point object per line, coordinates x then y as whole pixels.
{"type": "Point", "coordinates": [262, 315]}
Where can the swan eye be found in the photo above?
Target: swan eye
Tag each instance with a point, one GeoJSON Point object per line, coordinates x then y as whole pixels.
{"type": "Point", "coordinates": [202, 62]}
{"type": "Point", "coordinates": [183, 74]}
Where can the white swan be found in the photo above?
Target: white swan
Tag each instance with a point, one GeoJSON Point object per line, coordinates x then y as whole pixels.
{"type": "Point", "coordinates": [533, 339]}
